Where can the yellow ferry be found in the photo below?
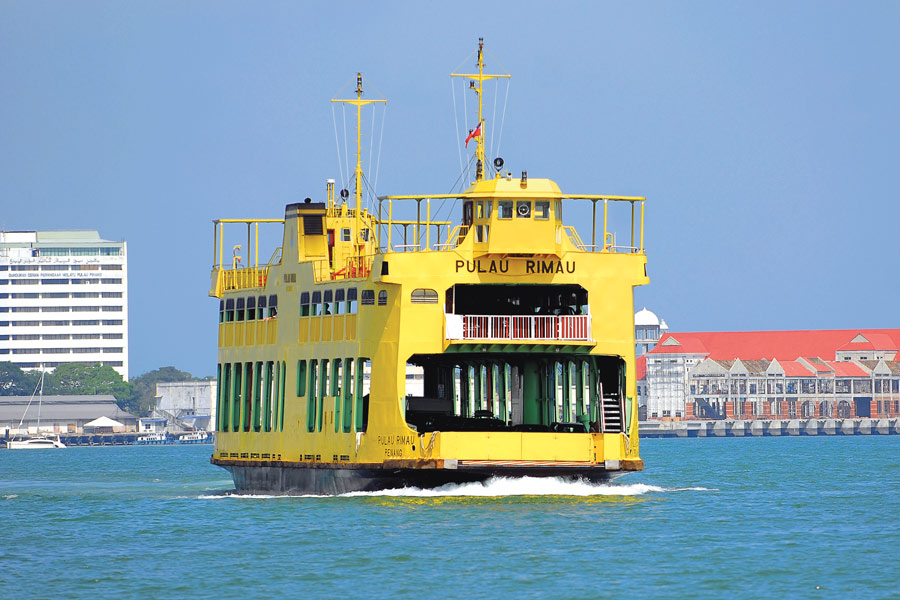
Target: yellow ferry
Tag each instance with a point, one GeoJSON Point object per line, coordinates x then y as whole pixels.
{"type": "Point", "coordinates": [492, 346]}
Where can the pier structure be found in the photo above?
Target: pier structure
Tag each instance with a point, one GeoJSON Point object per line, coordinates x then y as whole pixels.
{"type": "Point", "coordinates": [770, 427]}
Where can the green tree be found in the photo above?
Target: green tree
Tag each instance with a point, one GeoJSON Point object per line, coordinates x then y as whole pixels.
{"type": "Point", "coordinates": [144, 396]}
{"type": "Point", "coordinates": [16, 382]}
{"type": "Point", "coordinates": [85, 379]}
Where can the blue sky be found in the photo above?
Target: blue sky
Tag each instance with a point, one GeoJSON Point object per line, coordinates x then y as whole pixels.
{"type": "Point", "coordinates": [765, 136]}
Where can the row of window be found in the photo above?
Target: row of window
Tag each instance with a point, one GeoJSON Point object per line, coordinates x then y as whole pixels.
{"type": "Point", "coordinates": [250, 396]}
{"type": "Point", "coordinates": [53, 365]}
{"type": "Point", "coordinates": [78, 252]}
{"type": "Point", "coordinates": [60, 267]}
{"type": "Point", "coordinates": [61, 351]}
{"type": "Point", "coordinates": [506, 209]}
{"type": "Point", "coordinates": [74, 322]}
{"type": "Point", "coordinates": [60, 281]}
{"type": "Point", "coordinates": [248, 309]}
{"type": "Point", "coordinates": [34, 309]}
{"type": "Point", "coordinates": [341, 378]}
{"type": "Point", "coordinates": [55, 295]}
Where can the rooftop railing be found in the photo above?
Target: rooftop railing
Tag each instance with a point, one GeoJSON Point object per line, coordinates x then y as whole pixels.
{"type": "Point", "coordinates": [518, 327]}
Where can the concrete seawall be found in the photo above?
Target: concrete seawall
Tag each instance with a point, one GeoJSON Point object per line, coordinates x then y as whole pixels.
{"type": "Point", "coordinates": [794, 427]}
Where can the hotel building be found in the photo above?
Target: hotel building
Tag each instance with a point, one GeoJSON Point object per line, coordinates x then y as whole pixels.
{"type": "Point", "coordinates": [63, 299]}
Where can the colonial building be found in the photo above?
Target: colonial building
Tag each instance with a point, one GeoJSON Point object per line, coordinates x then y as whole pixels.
{"type": "Point", "coordinates": [774, 374]}
{"type": "Point", "coordinates": [63, 299]}
{"type": "Point", "coordinates": [58, 414]}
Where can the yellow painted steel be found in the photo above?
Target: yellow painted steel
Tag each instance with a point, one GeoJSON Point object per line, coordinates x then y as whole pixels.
{"type": "Point", "coordinates": [391, 328]}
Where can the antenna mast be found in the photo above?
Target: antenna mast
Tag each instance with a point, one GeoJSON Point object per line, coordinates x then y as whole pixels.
{"type": "Point", "coordinates": [478, 88]}
{"type": "Point", "coordinates": [359, 103]}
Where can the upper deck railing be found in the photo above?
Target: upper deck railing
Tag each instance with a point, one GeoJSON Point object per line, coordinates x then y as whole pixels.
{"type": "Point", "coordinates": [518, 327]}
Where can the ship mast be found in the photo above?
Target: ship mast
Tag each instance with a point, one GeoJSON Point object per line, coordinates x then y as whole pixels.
{"type": "Point", "coordinates": [478, 88]}
{"type": "Point", "coordinates": [358, 174]}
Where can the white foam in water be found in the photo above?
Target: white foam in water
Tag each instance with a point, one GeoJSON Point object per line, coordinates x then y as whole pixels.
{"type": "Point", "coordinates": [500, 487]}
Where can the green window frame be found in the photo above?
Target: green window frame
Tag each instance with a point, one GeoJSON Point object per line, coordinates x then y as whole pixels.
{"type": "Point", "coordinates": [323, 389]}
{"type": "Point", "coordinates": [237, 399]}
{"type": "Point", "coordinates": [248, 388]}
{"type": "Point", "coordinates": [336, 375]}
{"type": "Point", "coordinates": [226, 401]}
{"type": "Point", "coordinates": [220, 391]}
{"type": "Point", "coordinates": [362, 416]}
{"type": "Point", "coordinates": [348, 395]}
{"type": "Point", "coordinates": [311, 404]}
{"type": "Point", "coordinates": [281, 397]}
{"type": "Point", "coordinates": [301, 378]}
{"type": "Point", "coordinates": [257, 397]}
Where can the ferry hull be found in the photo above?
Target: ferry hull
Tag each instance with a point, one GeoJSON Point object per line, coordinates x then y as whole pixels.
{"type": "Point", "coordinates": [301, 479]}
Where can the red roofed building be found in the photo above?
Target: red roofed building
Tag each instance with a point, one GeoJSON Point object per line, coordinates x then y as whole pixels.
{"type": "Point", "coordinates": [773, 374]}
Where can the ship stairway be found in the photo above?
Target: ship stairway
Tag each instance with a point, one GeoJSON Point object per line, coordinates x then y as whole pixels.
{"type": "Point", "coordinates": [612, 415]}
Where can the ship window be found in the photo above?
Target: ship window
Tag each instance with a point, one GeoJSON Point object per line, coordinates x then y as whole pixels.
{"type": "Point", "coordinates": [221, 311]}
{"type": "Point", "coordinates": [261, 308]}
{"type": "Point", "coordinates": [257, 395]}
{"type": "Point", "coordinates": [348, 395]}
{"type": "Point", "coordinates": [336, 375]}
{"type": "Point", "coordinates": [481, 233]}
{"type": "Point", "coordinates": [304, 304]}
{"type": "Point", "coordinates": [281, 398]}
{"type": "Point", "coordinates": [273, 306]}
{"type": "Point", "coordinates": [315, 308]}
{"type": "Point", "coordinates": [363, 365]}
{"type": "Point", "coordinates": [542, 209]}
{"type": "Point", "coordinates": [240, 309]}
{"type": "Point", "coordinates": [323, 389]}
{"type": "Point", "coordinates": [267, 396]}
{"type": "Point", "coordinates": [424, 296]}
{"type": "Point", "coordinates": [368, 297]}
{"type": "Point", "coordinates": [487, 209]}
{"type": "Point", "coordinates": [365, 235]}
{"type": "Point", "coordinates": [311, 403]}
{"type": "Point", "coordinates": [558, 210]}
{"type": "Point", "coordinates": [237, 397]}
{"type": "Point", "coordinates": [226, 396]}
{"type": "Point", "coordinates": [523, 209]}
{"type": "Point", "coordinates": [479, 210]}
{"type": "Point", "coordinates": [229, 310]}
{"type": "Point", "coordinates": [248, 388]}
{"type": "Point", "coordinates": [467, 213]}
{"type": "Point", "coordinates": [251, 308]}
{"type": "Point", "coordinates": [328, 302]}
{"type": "Point", "coordinates": [301, 378]}
{"type": "Point", "coordinates": [382, 298]}
{"type": "Point", "coordinates": [345, 234]}
{"type": "Point", "coordinates": [340, 306]}
{"type": "Point", "coordinates": [505, 209]}
{"type": "Point", "coordinates": [352, 308]}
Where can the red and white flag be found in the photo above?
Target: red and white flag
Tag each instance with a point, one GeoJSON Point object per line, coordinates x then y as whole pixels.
{"type": "Point", "coordinates": [472, 134]}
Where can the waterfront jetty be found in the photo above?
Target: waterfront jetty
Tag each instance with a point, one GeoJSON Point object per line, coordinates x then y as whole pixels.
{"type": "Point", "coordinates": [774, 427]}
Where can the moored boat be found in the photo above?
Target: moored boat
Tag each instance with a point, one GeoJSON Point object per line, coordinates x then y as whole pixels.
{"type": "Point", "coordinates": [493, 344]}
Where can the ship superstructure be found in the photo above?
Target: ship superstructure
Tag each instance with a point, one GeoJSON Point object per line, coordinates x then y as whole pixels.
{"type": "Point", "coordinates": [521, 333]}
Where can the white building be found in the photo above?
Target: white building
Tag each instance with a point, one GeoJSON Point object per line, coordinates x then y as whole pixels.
{"type": "Point", "coordinates": [63, 299]}
{"type": "Point", "coordinates": [648, 328]}
{"type": "Point", "coordinates": [187, 404]}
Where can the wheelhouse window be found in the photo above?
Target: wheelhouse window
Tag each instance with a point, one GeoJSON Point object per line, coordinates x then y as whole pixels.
{"type": "Point", "coordinates": [523, 209]}
{"type": "Point", "coordinates": [505, 209]}
{"type": "Point", "coordinates": [542, 210]}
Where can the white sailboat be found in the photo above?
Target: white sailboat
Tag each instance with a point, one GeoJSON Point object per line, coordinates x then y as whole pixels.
{"type": "Point", "coordinates": [37, 441]}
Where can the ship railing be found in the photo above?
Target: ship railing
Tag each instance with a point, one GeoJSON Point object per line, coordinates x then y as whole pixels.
{"type": "Point", "coordinates": [242, 279]}
{"type": "Point", "coordinates": [518, 327]}
{"type": "Point", "coordinates": [237, 267]}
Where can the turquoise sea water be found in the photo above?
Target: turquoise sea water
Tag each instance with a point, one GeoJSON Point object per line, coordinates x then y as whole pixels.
{"type": "Point", "coordinates": [809, 517]}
